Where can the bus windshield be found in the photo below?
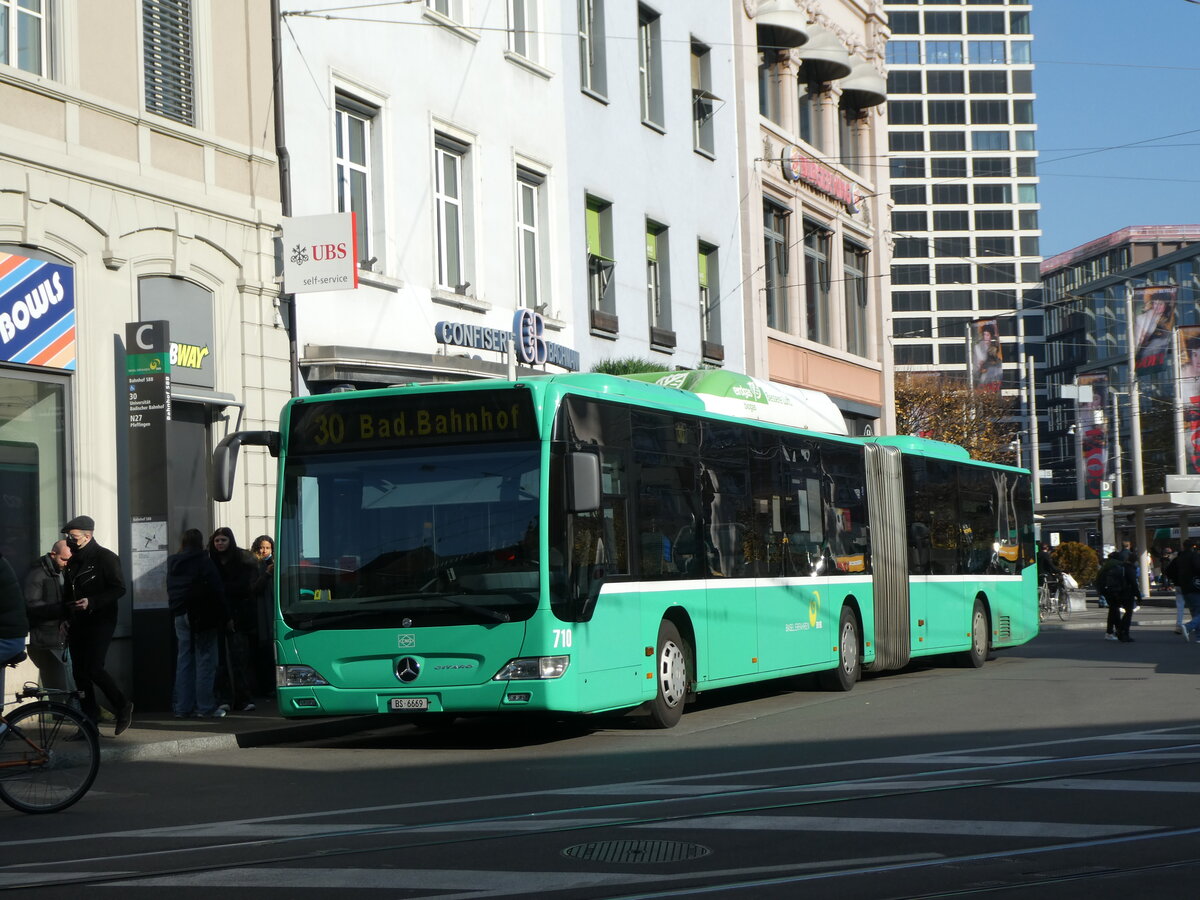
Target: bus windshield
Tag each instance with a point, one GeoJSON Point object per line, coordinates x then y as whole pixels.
{"type": "Point", "coordinates": [409, 537]}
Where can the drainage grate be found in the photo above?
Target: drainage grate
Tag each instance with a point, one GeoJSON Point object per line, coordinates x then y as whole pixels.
{"type": "Point", "coordinates": [636, 851]}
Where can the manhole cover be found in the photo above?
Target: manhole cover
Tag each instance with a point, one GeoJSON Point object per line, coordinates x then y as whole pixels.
{"type": "Point", "coordinates": [636, 851]}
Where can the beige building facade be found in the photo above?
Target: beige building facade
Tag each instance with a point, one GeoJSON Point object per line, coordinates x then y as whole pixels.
{"type": "Point", "coordinates": [814, 199]}
{"type": "Point", "coordinates": [138, 182]}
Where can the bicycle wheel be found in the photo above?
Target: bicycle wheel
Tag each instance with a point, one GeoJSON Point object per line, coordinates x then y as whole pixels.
{"type": "Point", "coordinates": [41, 771]}
{"type": "Point", "coordinates": [1043, 602]}
{"type": "Point", "coordinates": [1062, 601]}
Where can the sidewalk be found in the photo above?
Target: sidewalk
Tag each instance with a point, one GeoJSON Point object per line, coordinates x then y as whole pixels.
{"type": "Point", "coordinates": [1158, 610]}
{"type": "Point", "coordinates": [159, 735]}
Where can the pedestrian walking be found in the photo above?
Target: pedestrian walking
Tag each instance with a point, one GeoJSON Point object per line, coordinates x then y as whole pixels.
{"type": "Point", "coordinates": [48, 616]}
{"type": "Point", "coordinates": [1185, 573]}
{"type": "Point", "coordinates": [1123, 594]}
{"type": "Point", "coordinates": [14, 622]}
{"type": "Point", "coordinates": [92, 585]}
{"type": "Point", "coordinates": [197, 602]}
{"type": "Point", "coordinates": [235, 675]}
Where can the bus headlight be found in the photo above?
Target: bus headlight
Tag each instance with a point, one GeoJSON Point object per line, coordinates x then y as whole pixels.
{"type": "Point", "coordinates": [533, 667]}
{"type": "Point", "coordinates": [298, 676]}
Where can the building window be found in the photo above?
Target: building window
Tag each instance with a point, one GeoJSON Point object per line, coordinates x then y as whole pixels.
{"type": "Point", "coordinates": [1027, 220]}
{"type": "Point", "coordinates": [906, 141]}
{"type": "Point", "coordinates": [904, 81]}
{"type": "Point", "coordinates": [947, 140]}
{"type": "Point", "coordinates": [452, 208]}
{"type": "Point", "coordinates": [529, 237]}
{"type": "Point", "coordinates": [598, 224]}
{"type": "Point", "coordinates": [1021, 52]}
{"type": "Point", "coordinates": [943, 53]}
{"type": "Point", "coordinates": [989, 140]}
{"type": "Point", "coordinates": [658, 281]}
{"type": "Point", "coordinates": [167, 59]}
{"type": "Point", "coordinates": [954, 247]}
{"type": "Point", "coordinates": [523, 28]}
{"type": "Point", "coordinates": [906, 112]}
{"type": "Point", "coordinates": [903, 53]}
{"type": "Point", "coordinates": [708, 272]}
{"type": "Point", "coordinates": [993, 220]}
{"type": "Point", "coordinates": [817, 241]}
{"type": "Point", "coordinates": [353, 123]}
{"type": "Point", "coordinates": [1026, 167]}
{"type": "Point", "coordinates": [1027, 193]}
{"type": "Point", "coordinates": [940, 82]}
{"type": "Point", "coordinates": [909, 195]}
{"type": "Point", "coordinates": [910, 274]}
{"type": "Point", "coordinates": [943, 23]}
{"type": "Point", "coordinates": [592, 74]}
{"type": "Point", "coordinates": [703, 100]}
{"type": "Point", "coordinates": [989, 82]}
{"type": "Point", "coordinates": [987, 53]}
{"type": "Point", "coordinates": [775, 241]}
{"type": "Point", "coordinates": [947, 112]}
{"type": "Point", "coordinates": [948, 167]}
{"type": "Point", "coordinates": [952, 220]}
{"type": "Point", "coordinates": [954, 300]}
{"type": "Point", "coordinates": [907, 221]}
{"type": "Point", "coordinates": [914, 354]}
{"type": "Point", "coordinates": [650, 66]}
{"type": "Point", "coordinates": [994, 246]}
{"type": "Point", "coordinates": [854, 273]}
{"type": "Point", "coordinates": [848, 135]}
{"type": "Point", "coordinates": [993, 193]}
{"type": "Point", "coordinates": [985, 23]}
{"type": "Point", "coordinates": [23, 35]}
{"type": "Point", "coordinates": [989, 112]}
{"type": "Point", "coordinates": [993, 273]}
{"type": "Point", "coordinates": [991, 167]}
{"type": "Point", "coordinates": [953, 273]}
{"type": "Point", "coordinates": [1026, 140]}
{"type": "Point", "coordinates": [946, 194]}
{"type": "Point", "coordinates": [904, 22]}
{"type": "Point", "coordinates": [912, 328]}
{"type": "Point", "coordinates": [911, 248]}
{"type": "Point", "coordinates": [1023, 112]}
{"type": "Point", "coordinates": [451, 9]}
{"type": "Point", "coordinates": [910, 301]}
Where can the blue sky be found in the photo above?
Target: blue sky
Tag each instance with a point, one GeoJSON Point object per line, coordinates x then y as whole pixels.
{"type": "Point", "coordinates": [1109, 74]}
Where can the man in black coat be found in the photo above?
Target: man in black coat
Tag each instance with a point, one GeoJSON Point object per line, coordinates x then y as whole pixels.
{"type": "Point", "coordinates": [14, 623]}
{"type": "Point", "coordinates": [93, 584]}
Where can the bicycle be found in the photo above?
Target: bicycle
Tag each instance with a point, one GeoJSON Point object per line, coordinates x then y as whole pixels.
{"type": "Point", "coordinates": [1053, 599]}
{"type": "Point", "coordinates": [49, 752]}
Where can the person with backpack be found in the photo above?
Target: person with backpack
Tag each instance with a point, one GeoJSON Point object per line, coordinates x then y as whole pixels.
{"type": "Point", "coordinates": [1117, 582]}
{"type": "Point", "coordinates": [197, 601]}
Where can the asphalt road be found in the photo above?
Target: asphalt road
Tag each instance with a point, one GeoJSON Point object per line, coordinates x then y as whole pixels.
{"type": "Point", "coordinates": [1066, 768]}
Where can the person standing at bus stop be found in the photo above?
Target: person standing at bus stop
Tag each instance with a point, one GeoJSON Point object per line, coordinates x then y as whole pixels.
{"type": "Point", "coordinates": [92, 586]}
{"type": "Point", "coordinates": [1121, 607]}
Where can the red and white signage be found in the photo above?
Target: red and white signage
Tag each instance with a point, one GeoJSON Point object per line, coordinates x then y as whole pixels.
{"type": "Point", "coordinates": [798, 167]}
{"type": "Point", "coordinates": [320, 253]}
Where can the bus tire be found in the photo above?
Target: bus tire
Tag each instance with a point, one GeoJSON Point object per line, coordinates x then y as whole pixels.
{"type": "Point", "coordinates": [975, 657]}
{"type": "Point", "coordinates": [849, 667]}
{"type": "Point", "coordinates": [671, 677]}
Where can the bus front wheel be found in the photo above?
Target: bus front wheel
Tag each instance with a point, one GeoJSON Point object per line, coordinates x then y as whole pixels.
{"type": "Point", "coordinates": [978, 654]}
{"type": "Point", "coordinates": [671, 678]}
{"type": "Point", "coordinates": [849, 667]}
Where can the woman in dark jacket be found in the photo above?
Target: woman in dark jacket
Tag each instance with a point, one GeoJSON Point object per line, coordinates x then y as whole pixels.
{"type": "Point", "coordinates": [197, 601]}
{"type": "Point", "coordinates": [235, 680]}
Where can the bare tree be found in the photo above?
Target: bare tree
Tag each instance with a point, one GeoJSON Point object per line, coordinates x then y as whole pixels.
{"type": "Point", "coordinates": [945, 408]}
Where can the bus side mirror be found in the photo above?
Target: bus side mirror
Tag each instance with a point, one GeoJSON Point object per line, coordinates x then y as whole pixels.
{"type": "Point", "coordinates": [225, 458]}
{"type": "Point", "coordinates": [583, 482]}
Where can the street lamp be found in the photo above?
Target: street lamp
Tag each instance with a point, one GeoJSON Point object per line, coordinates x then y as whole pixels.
{"type": "Point", "coordinates": [1015, 445]}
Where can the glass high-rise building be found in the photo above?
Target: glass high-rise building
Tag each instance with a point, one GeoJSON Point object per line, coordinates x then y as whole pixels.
{"type": "Point", "coordinates": [963, 164]}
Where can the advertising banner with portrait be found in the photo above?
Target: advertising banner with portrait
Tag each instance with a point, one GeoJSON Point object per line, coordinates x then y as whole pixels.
{"type": "Point", "coordinates": [1153, 324]}
{"type": "Point", "coordinates": [1093, 433]}
{"type": "Point", "coordinates": [987, 357]}
{"type": "Point", "coordinates": [1187, 348]}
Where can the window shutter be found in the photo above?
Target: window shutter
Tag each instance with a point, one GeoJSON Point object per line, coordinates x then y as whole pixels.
{"type": "Point", "coordinates": [593, 231]}
{"type": "Point", "coordinates": [167, 59]}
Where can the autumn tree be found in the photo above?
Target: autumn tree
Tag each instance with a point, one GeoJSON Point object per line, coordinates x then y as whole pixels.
{"type": "Point", "coordinates": [945, 408]}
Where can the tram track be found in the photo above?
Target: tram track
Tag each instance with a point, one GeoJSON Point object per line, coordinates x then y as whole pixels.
{"type": "Point", "coordinates": [833, 793]}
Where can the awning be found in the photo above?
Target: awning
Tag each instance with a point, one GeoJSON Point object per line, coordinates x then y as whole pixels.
{"type": "Point", "coordinates": [824, 57]}
{"type": "Point", "coordinates": [864, 86]}
{"type": "Point", "coordinates": [780, 25]}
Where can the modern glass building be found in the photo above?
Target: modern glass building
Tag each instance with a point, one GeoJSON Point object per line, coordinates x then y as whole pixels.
{"type": "Point", "coordinates": [962, 157]}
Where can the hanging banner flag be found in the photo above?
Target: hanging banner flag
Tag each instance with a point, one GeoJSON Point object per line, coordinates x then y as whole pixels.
{"type": "Point", "coordinates": [987, 357]}
{"type": "Point", "coordinates": [37, 312]}
{"type": "Point", "coordinates": [1187, 349]}
{"type": "Point", "coordinates": [1154, 321]}
{"type": "Point", "coordinates": [1093, 434]}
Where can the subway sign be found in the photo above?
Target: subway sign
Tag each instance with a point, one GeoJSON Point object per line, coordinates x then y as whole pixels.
{"type": "Point", "coordinates": [527, 338]}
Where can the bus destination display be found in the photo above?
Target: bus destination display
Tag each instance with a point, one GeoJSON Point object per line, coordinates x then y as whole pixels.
{"type": "Point", "coordinates": [412, 421]}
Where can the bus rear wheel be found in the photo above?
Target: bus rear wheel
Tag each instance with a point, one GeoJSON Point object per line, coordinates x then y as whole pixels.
{"type": "Point", "coordinates": [671, 679]}
{"type": "Point", "coordinates": [849, 667]}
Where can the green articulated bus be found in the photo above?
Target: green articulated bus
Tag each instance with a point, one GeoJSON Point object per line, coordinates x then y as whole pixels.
{"type": "Point", "coordinates": [586, 543]}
